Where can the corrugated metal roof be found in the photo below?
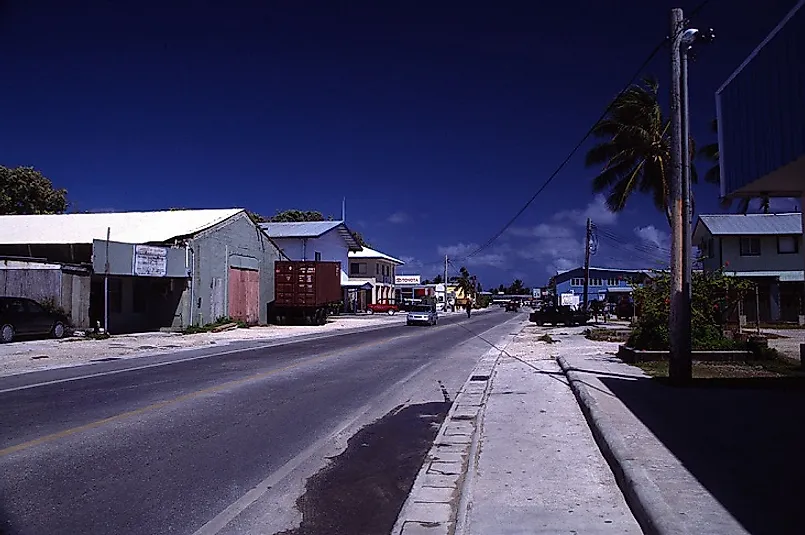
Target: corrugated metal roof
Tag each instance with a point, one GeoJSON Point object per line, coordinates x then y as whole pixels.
{"type": "Point", "coordinates": [311, 229]}
{"type": "Point", "coordinates": [366, 252]}
{"type": "Point", "coordinates": [305, 229]}
{"type": "Point", "coordinates": [743, 224]}
{"type": "Point", "coordinates": [131, 227]}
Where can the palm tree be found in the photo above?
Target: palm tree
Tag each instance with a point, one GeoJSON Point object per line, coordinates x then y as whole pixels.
{"type": "Point", "coordinates": [635, 149]}
{"type": "Point", "coordinates": [465, 282]}
{"type": "Point", "coordinates": [710, 153]}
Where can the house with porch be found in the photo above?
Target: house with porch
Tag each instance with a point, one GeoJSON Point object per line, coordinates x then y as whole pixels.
{"type": "Point", "coordinates": [761, 113]}
{"type": "Point", "coordinates": [378, 270]}
{"type": "Point", "coordinates": [763, 248]}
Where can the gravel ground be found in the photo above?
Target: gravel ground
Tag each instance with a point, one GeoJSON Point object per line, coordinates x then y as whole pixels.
{"type": "Point", "coordinates": [33, 355]}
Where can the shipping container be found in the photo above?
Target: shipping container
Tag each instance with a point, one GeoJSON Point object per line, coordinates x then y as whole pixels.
{"type": "Point", "coordinates": [305, 290]}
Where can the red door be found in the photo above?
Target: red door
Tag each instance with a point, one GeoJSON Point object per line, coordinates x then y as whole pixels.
{"type": "Point", "coordinates": [244, 295]}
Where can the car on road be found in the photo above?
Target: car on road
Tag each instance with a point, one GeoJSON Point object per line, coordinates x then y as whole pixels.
{"type": "Point", "coordinates": [422, 315]}
{"type": "Point", "coordinates": [512, 306]}
{"type": "Point", "coordinates": [384, 306]}
{"type": "Point", "coordinates": [20, 316]}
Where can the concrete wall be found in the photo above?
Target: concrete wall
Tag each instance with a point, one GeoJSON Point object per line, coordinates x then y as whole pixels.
{"type": "Point", "coordinates": [236, 242]}
{"type": "Point", "coordinates": [768, 260]}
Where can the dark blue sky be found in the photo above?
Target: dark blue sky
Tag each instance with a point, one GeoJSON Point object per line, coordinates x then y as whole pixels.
{"type": "Point", "coordinates": [436, 120]}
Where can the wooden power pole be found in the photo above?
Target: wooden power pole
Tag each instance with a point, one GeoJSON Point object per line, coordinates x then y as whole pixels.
{"type": "Point", "coordinates": [679, 366]}
{"type": "Point", "coordinates": [587, 241]}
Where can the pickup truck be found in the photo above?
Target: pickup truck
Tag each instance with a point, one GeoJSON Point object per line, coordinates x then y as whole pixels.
{"type": "Point", "coordinates": [562, 314]}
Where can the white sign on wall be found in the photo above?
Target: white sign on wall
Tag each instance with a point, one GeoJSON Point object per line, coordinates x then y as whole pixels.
{"type": "Point", "coordinates": [406, 279]}
{"type": "Point", "coordinates": [150, 261]}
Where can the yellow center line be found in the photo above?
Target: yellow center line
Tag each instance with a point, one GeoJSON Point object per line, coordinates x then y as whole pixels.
{"type": "Point", "coordinates": [162, 404]}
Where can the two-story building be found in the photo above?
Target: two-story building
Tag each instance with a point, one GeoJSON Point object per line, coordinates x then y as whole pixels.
{"type": "Point", "coordinates": [329, 241]}
{"type": "Point", "coordinates": [761, 118]}
{"type": "Point", "coordinates": [606, 284]}
{"type": "Point", "coordinates": [378, 270]}
{"type": "Point", "coordinates": [765, 248]}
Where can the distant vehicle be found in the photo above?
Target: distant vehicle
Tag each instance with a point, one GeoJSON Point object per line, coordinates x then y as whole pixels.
{"type": "Point", "coordinates": [422, 315]}
{"type": "Point", "coordinates": [624, 310]}
{"type": "Point", "coordinates": [512, 306]}
{"type": "Point", "coordinates": [564, 314]}
{"type": "Point", "coordinates": [385, 306]}
{"type": "Point", "coordinates": [25, 317]}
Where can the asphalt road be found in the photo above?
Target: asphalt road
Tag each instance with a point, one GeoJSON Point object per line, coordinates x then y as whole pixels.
{"type": "Point", "coordinates": [164, 449]}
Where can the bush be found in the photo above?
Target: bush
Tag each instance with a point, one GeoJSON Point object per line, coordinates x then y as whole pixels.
{"type": "Point", "coordinates": [49, 304]}
{"type": "Point", "coordinates": [714, 297]}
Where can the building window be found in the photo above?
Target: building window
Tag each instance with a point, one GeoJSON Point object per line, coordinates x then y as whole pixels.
{"type": "Point", "coordinates": [577, 282]}
{"type": "Point", "coordinates": [612, 282]}
{"type": "Point", "coordinates": [750, 246]}
{"type": "Point", "coordinates": [115, 296]}
{"type": "Point", "coordinates": [595, 282]}
{"type": "Point", "coordinates": [317, 256]}
{"type": "Point", "coordinates": [787, 244]}
{"type": "Point", "coordinates": [377, 269]}
{"type": "Point", "coordinates": [357, 269]}
{"type": "Point", "coordinates": [142, 289]}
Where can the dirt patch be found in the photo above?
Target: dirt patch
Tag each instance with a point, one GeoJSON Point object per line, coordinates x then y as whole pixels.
{"type": "Point", "coordinates": [362, 490]}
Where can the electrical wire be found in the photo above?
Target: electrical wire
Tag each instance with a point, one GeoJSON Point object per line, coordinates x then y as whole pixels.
{"type": "Point", "coordinates": [584, 138]}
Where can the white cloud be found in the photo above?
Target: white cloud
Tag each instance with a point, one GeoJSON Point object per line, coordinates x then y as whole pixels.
{"type": "Point", "coordinates": [495, 257]}
{"type": "Point", "coordinates": [543, 230]}
{"type": "Point", "coordinates": [654, 236]}
{"type": "Point", "coordinates": [399, 218]}
{"type": "Point", "coordinates": [596, 210]}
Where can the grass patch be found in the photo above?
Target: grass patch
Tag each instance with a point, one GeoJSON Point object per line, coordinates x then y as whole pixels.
{"type": "Point", "coordinates": [775, 367]}
{"type": "Point", "coordinates": [606, 335]}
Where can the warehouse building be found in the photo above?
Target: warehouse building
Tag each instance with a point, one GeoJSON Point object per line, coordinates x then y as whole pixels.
{"type": "Point", "coordinates": [143, 271]}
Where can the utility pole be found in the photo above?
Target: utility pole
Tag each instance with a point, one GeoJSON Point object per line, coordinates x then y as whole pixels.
{"type": "Point", "coordinates": [679, 366]}
{"type": "Point", "coordinates": [587, 240]}
{"type": "Point", "coordinates": [445, 283]}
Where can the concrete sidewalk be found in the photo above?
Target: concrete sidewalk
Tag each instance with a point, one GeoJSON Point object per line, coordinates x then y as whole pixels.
{"type": "Point", "coordinates": [665, 497]}
{"type": "Point", "coordinates": [515, 455]}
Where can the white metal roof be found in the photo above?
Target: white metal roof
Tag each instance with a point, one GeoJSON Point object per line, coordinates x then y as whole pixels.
{"type": "Point", "coordinates": [743, 224]}
{"type": "Point", "coordinates": [784, 276]}
{"type": "Point", "coordinates": [130, 227]}
{"type": "Point", "coordinates": [310, 229]}
{"type": "Point", "coordinates": [366, 252]}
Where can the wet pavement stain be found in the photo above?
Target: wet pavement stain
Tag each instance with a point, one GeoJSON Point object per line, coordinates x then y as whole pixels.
{"type": "Point", "coordinates": [363, 489]}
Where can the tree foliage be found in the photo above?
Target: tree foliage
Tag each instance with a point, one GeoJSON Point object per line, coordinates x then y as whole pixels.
{"type": "Point", "coordinates": [635, 150]}
{"type": "Point", "coordinates": [298, 216]}
{"type": "Point", "coordinates": [25, 191]}
{"type": "Point", "coordinates": [466, 282]}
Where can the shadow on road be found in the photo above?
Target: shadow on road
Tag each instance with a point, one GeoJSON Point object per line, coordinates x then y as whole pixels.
{"type": "Point", "coordinates": [741, 438]}
{"type": "Point", "coordinates": [362, 490]}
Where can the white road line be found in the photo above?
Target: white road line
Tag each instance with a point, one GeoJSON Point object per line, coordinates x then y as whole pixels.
{"type": "Point", "coordinates": [223, 518]}
{"type": "Point", "coordinates": [178, 361]}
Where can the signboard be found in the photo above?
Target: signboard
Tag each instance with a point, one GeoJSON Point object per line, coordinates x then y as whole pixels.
{"type": "Point", "coordinates": [150, 261]}
{"type": "Point", "coordinates": [406, 279]}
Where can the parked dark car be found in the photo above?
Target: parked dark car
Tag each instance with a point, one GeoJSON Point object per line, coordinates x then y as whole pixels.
{"type": "Point", "coordinates": [25, 317]}
{"type": "Point", "coordinates": [561, 314]}
{"type": "Point", "coordinates": [512, 306]}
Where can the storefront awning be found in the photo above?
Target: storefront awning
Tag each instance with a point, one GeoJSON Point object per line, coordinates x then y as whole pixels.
{"type": "Point", "coordinates": [784, 276]}
{"type": "Point", "coordinates": [620, 290]}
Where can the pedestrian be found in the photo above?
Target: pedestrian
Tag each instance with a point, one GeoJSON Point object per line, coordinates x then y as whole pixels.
{"type": "Point", "coordinates": [469, 308]}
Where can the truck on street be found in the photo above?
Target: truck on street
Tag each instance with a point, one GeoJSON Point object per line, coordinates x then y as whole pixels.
{"type": "Point", "coordinates": [305, 290]}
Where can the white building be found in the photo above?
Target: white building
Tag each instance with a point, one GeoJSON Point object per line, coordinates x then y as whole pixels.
{"type": "Point", "coordinates": [376, 268]}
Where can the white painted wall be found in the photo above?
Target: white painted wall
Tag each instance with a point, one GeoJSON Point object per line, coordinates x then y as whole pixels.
{"type": "Point", "coordinates": [331, 245]}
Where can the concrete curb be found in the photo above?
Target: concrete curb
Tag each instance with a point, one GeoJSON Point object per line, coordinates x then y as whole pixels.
{"type": "Point", "coordinates": [643, 496]}
{"type": "Point", "coordinates": [432, 505]}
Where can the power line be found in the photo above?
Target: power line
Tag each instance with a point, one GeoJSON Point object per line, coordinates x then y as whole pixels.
{"type": "Point", "coordinates": [584, 138]}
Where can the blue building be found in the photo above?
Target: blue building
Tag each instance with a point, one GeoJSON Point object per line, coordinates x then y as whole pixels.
{"type": "Point", "coordinates": [606, 284]}
{"type": "Point", "coordinates": [761, 117]}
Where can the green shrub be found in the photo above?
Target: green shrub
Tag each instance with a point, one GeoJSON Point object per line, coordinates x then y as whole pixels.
{"type": "Point", "coordinates": [714, 297]}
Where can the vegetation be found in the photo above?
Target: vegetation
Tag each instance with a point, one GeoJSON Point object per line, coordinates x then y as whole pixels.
{"type": "Point", "coordinates": [635, 150]}
{"type": "Point", "coordinates": [466, 283]}
{"type": "Point", "coordinates": [195, 329]}
{"type": "Point", "coordinates": [715, 297]}
{"type": "Point", "coordinates": [25, 191]}
{"type": "Point", "coordinates": [766, 368]}
{"type": "Point", "coordinates": [49, 304]}
{"type": "Point", "coordinates": [606, 335]}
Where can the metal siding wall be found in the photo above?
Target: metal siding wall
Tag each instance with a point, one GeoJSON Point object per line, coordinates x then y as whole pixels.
{"type": "Point", "coordinates": [763, 109]}
{"type": "Point", "coordinates": [36, 284]}
{"type": "Point", "coordinates": [240, 237]}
